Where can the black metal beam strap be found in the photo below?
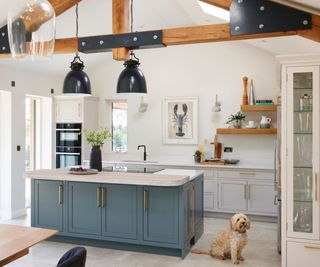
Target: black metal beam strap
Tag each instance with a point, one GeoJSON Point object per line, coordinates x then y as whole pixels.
{"type": "Point", "coordinates": [263, 16]}
{"type": "Point", "coordinates": [4, 41]}
{"type": "Point", "coordinates": [135, 40]}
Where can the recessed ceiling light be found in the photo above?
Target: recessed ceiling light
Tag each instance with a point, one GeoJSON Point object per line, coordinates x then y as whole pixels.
{"type": "Point", "coordinates": [215, 11]}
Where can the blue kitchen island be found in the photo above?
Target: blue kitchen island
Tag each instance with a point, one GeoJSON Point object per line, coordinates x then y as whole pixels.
{"type": "Point", "coordinates": [158, 212]}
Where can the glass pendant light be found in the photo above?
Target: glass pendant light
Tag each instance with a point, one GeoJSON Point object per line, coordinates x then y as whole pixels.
{"type": "Point", "coordinates": [77, 81]}
{"type": "Point", "coordinates": [131, 79]}
{"type": "Point", "coordinates": [31, 29]}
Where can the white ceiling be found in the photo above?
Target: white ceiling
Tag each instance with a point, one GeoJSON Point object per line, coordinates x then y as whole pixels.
{"type": "Point", "coordinates": [95, 19]}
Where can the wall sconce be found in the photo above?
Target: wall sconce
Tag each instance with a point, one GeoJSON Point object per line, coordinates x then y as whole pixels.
{"type": "Point", "coordinates": [217, 105]}
{"type": "Point", "coordinates": [143, 107]}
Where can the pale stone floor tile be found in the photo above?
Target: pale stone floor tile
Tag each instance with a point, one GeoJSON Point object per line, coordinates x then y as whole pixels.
{"type": "Point", "coordinates": [261, 251]}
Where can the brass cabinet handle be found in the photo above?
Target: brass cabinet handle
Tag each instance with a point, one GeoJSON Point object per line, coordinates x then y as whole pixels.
{"type": "Point", "coordinates": [102, 196]}
{"type": "Point", "coordinates": [245, 191]}
{"type": "Point", "coordinates": [60, 192]}
{"type": "Point", "coordinates": [249, 191]}
{"type": "Point", "coordinates": [79, 110]}
{"type": "Point", "coordinates": [316, 187]}
{"type": "Point", "coordinates": [98, 197]}
{"type": "Point", "coordinates": [311, 247]}
{"type": "Point", "coordinates": [145, 200]}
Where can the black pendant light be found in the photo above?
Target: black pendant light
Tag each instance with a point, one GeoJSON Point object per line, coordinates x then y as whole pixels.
{"type": "Point", "coordinates": [77, 81]}
{"type": "Point", "coordinates": [131, 79]}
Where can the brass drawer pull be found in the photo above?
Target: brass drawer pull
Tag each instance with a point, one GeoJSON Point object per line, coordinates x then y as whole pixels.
{"type": "Point", "coordinates": [103, 200]}
{"type": "Point", "coordinates": [247, 173]}
{"type": "Point", "coordinates": [60, 194]}
{"type": "Point", "coordinates": [145, 200]}
{"type": "Point", "coordinates": [311, 247]}
{"type": "Point", "coordinates": [98, 197]}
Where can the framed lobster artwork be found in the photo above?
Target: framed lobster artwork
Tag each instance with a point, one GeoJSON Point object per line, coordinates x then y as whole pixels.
{"type": "Point", "coordinates": [180, 120]}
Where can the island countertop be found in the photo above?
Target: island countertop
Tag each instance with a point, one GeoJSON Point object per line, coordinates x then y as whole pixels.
{"type": "Point", "coordinates": [167, 177]}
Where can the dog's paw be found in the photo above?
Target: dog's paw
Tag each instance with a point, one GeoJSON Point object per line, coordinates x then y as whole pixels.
{"type": "Point", "coordinates": [236, 262]}
{"type": "Point", "coordinates": [241, 258]}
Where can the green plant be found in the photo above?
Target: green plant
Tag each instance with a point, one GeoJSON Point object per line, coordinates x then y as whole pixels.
{"type": "Point", "coordinates": [239, 116]}
{"type": "Point", "coordinates": [97, 138]}
{"type": "Point", "coordinates": [197, 153]}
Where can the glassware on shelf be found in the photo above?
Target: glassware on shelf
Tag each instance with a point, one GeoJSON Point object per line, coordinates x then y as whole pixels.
{"type": "Point", "coordinates": [303, 150]}
{"type": "Point", "coordinates": [305, 102]}
{"type": "Point", "coordinates": [303, 123]}
{"type": "Point", "coordinates": [302, 217]}
{"type": "Point", "coordinates": [302, 182]}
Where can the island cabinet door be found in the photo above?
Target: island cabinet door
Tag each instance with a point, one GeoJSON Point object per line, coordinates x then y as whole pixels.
{"type": "Point", "coordinates": [84, 208]}
{"type": "Point", "coordinates": [48, 204]}
{"type": "Point", "coordinates": [119, 211]}
{"type": "Point", "coordinates": [198, 201]}
{"type": "Point", "coordinates": [161, 215]}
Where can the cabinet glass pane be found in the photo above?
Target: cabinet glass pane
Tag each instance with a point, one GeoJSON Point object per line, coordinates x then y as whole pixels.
{"type": "Point", "coordinates": [302, 180]}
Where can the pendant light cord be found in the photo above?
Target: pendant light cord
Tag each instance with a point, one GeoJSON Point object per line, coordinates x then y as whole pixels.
{"type": "Point", "coordinates": [77, 27]}
{"type": "Point", "coordinates": [132, 54]}
{"type": "Point", "coordinates": [131, 15]}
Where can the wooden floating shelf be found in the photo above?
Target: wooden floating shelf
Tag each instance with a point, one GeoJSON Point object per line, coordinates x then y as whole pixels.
{"type": "Point", "coordinates": [256, 108]}
{"type": "Point", "coordinates": [271, 131]}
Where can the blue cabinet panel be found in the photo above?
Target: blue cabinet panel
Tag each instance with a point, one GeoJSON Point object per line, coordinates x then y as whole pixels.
{"type": "Point", "coordinates": [161, 215]}
{"type": "Point", "coordinates": [198, 205]}
{"type": "Point", "coordinates": [84, 210]}
{"type": "Point", "coordinates": [119, 211]}
{"type": "Point", "coordinates": [48, 204]}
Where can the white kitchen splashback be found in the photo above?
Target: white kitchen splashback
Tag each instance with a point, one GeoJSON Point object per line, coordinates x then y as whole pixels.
{"type": "Point", "coordinates": [202, 70]}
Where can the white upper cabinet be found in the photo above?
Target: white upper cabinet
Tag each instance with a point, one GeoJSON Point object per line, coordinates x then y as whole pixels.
{"type": "Point", "coordinates": [69, 110]}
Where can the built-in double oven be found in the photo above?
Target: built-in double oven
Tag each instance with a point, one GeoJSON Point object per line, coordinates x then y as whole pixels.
{"type": "Point", "coordinates": [68, 144]}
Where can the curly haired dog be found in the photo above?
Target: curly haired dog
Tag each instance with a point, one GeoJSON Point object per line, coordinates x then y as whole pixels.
{"type": "Point", "coordinates": [230, 243]}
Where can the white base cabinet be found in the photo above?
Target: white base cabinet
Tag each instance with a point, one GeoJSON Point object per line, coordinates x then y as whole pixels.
{"type": "Point", "coordinates": [232, 196]}
{"type": "Point", "coordinates": [303, 254]}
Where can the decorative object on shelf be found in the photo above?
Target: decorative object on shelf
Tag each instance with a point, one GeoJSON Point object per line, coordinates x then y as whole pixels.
{"type": "Point", "coordinates": [180, 120]}
{"type": "Point", "coordinates": [305, 102]}
{"type": "Point", "coordinates": [251, 125]}
{"type": "Point", "coordinates": [217, 105]}
{"type": "Point", "coordinates": [77, 81]}
{"type": "Point", "coordinates": [265, 122]}
{"type": "Point", "coordinates": [143, 107]}
{"type": "Point", "coordinates": [217, 147]}
{"type": "Point", "coordinates": [264, 102]}
{"type": "Point", "coordinates": [237, 119]}
{"type": "Point", "coordinates": [251, 94]}
{"type": "Point", "coordinates": [197, 156]}
{"type": "Point", "coordinates": [96, 139]}
{"type": "Point", "coordinates": [131, 79]}
{"type": "Point", "coordinates": [245, 91]}
{"type": "Point", "coordinates": [31, 29]}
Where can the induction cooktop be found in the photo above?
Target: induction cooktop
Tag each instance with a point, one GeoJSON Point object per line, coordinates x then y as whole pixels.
{"type": "Point", "coordinates": [132, 169]}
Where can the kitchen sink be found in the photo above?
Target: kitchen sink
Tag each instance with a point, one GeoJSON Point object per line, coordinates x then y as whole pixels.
{"type": "Point", "coordinates": [138, 161]}
{"type": "Point", "coordinates": [132, 170]}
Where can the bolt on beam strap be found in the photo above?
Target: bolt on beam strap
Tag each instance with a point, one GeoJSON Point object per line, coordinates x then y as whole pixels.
{"type": "Point", "coordinates": [4, 40]}
{"type": "Point", "coordinates": [262, 16]}
{"type": "Point", "coordinates": [135, 40]}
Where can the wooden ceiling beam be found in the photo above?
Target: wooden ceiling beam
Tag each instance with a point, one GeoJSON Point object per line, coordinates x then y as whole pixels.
{"type": "Point", "coordinates": [314, 33]}
{"type": "Point", "coordinates": [33, 20]}
{"type": "Point", "coordinates": [225, 4]}
{"type": "Point", "coordinates": [120, 24]}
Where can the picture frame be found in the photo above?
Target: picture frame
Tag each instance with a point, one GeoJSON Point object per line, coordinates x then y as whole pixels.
{"type": "Point", "coordinates": [180, 120]}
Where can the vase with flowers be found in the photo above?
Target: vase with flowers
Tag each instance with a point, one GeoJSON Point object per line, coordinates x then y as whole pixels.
{"type": "Point", "coordinates": [97, 139]}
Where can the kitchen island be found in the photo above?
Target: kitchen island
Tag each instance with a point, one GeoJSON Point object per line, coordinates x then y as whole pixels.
{"type": "Point", "coordinates": [158, 212]}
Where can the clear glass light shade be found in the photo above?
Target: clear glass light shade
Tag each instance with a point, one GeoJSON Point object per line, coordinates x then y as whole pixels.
{"type": "Point", "coordinates": [31, 29]}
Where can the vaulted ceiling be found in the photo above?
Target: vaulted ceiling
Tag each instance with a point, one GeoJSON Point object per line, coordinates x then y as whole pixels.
{"type": "Point", "coordinates": [95, 18]}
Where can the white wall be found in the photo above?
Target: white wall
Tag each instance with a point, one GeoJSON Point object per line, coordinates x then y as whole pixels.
{"type": "Point", "coordinates": [26, 83]}
{"type": "Point", "coordinates": [194, 70]}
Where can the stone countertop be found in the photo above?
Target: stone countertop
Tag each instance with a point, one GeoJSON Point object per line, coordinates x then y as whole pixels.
{"type": "Point", "coordinates": [167, 177]}
{"type": "Point", "coordinates": [181, 164]}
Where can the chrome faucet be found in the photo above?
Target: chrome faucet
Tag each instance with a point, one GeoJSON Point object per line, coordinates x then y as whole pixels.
{"type": "Point", "coordinates": [144, 151]}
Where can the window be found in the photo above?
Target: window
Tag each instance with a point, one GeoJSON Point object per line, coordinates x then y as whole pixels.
{"type": "Point", "coordinates": [119, 125]}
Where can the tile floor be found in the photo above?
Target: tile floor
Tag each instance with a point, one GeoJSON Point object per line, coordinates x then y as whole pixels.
{"type": "Point", "coordinates": [260, 252]}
